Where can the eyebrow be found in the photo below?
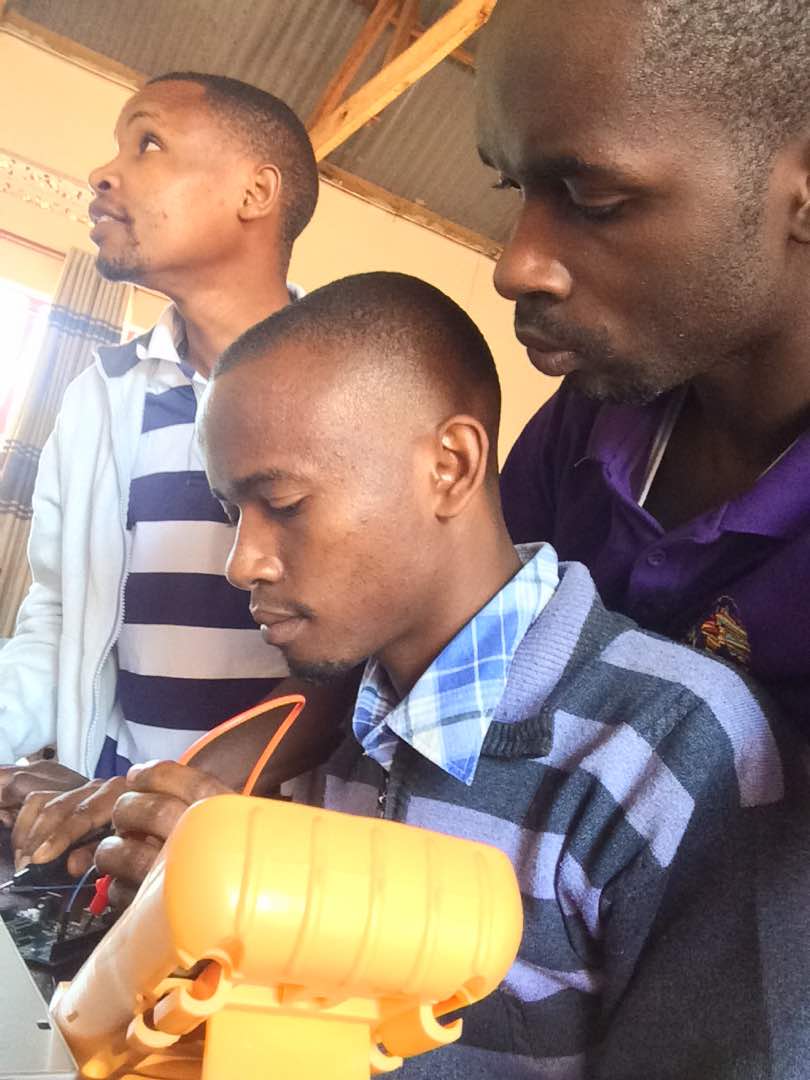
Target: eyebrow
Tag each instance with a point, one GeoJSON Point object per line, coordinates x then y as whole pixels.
{"type": "Point", "coordinates": [567, 166]}
{"type": "Point", "coordinates": [140, 113]}
{"type": "Point", "coordinates": [244, 485]}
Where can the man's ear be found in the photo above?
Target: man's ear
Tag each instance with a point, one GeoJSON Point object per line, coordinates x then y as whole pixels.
{"type": "Point", "coordinates": [262, 194]}
{"type": "Point", "coordinates": [460, 466]}
{"type": "Point", "coordinates": [800, 224]}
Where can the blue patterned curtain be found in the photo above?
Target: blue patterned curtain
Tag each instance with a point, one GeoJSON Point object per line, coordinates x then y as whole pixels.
{"type": "Point", "coordinates": [87, 311]}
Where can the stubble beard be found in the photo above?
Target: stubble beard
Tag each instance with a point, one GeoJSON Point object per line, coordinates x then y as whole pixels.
{"type": "Point", "coordinates": [321, 672]}
{"type": "Point", "coordinates": [127, 266]}
{"type": "Point", "coordinates": [629, 388]}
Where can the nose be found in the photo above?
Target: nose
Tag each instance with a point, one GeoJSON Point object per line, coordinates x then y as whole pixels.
{"type": "Point", "coordinates": [105, 177]}
{"type": "Point", "coordinates": [253, 558]}
{"type": "Point", "coordinates": [531, 262]}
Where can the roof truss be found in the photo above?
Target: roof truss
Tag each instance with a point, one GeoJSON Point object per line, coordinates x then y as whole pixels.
{"type": "Point", "coordinates": [334, 123]}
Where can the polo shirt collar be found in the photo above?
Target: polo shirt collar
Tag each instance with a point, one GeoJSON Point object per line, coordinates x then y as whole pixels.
{"type": "Point", "coordinates": [162, 342]}
{"type": "Point", "coordinates": [621, 439]}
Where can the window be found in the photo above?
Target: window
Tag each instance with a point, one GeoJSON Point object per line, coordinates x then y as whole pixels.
{"type": "Point", "coordinates": [23, 320]}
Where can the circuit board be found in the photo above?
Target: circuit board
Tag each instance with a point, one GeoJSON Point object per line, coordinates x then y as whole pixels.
{"type": "Point", "coordinates": [54, 943]}
{"type": "Point", "coordinates": [50, 929]}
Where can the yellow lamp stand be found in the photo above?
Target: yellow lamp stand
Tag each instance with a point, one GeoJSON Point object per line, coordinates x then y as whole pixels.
{"type": "Point", "coordinates": [277, 940]}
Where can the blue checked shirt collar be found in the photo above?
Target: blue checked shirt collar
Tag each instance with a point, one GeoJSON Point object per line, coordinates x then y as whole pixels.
{"type": "Point", "coordinates": [447, 713]}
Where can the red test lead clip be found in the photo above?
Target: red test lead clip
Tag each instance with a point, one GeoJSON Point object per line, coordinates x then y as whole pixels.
{"type": "Point", "coordinates": [99, 904]}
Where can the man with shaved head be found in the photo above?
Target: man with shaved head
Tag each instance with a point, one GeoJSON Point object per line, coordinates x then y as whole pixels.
{"type": "Point", "coordinates": [660, 265]}
{"type": "Point", "coordinates": [637, 785]}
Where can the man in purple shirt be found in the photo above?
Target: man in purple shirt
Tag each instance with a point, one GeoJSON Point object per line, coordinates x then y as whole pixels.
{"type": "Point", "coordinates": [661, 264]}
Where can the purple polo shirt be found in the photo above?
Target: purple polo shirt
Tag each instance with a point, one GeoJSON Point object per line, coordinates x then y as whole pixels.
{"type": "Point", "coordinates": [733, 581]}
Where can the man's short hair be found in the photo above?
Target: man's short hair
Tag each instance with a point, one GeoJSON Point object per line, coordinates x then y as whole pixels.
{"type": "Point", "coordinates": [271, 130]}
{"type": "Point", "coordinates": [398, 323]}
{"type": "Point", "coordinates": [746, 61]}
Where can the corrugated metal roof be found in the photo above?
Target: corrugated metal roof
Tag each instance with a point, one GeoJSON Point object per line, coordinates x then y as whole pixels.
{"type": "Point", "coordinates": [431, 10]}
{"type": "Point", "coordinates": [421, 148]}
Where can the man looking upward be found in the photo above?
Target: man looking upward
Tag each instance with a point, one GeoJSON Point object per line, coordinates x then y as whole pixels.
{"type": "Point", "coordinates": [661, 264]}
{"type": "Point", "coordinates": [131, 642]}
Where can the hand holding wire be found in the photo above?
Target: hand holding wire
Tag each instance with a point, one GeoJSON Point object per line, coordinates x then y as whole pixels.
{"type": "Point", "coordinates": [158, 793]}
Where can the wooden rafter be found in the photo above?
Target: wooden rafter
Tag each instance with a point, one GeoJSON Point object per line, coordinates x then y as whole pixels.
{"type": "Point", "coordinates": [403, 29]}
{"type": "Point", "coordinates": [361, 47]}
{"type": "Point", "coordinates": [462, 20]}
{"type": "Point", "coordinates": [462, 55]}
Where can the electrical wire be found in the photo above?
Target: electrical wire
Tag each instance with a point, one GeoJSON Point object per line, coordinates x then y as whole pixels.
{"type": "Point", "coordinates": [77, 888]}
{"type": "Point", "coordinates": [64, 917]}
{"type": "Point", "coordinates": [41, 888]}
{"type": "Point", "coordinates": [297, 701]}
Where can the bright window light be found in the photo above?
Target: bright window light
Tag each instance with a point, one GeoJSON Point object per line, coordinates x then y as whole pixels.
{"type": "Point", "coordinates": [24, 318]}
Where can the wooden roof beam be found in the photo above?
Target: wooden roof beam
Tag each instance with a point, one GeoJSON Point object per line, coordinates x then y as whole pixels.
{"type": "Point", "coordinates": [361, 47]}
{"type": "Point", "coordinates": [463, 56]}
{"type": "Point", "coordinates": [461, 21]}
{"type": "Point", "coordinates": [403, 30]}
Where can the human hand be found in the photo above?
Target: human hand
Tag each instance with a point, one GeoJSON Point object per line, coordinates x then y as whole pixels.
{"type": "Point", "coordinates": [48, 823]}
{"type": "Point", "coordinates": [156, 796]}
{"type": "Point", "coordinates": [18, 781]}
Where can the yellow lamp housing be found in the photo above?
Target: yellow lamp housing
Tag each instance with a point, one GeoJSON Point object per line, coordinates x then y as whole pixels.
{"type": "Point", "coordinates": [309, 943]}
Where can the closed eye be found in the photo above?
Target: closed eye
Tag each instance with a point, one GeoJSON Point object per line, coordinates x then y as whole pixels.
{"type": "Point", "coordinates": [592, 207]}
{"type": "Point", "coordinates": [288, 510]}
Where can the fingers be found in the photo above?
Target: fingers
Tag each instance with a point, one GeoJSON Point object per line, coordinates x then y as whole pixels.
{"type": "Point", "coordinates": [26, 819]}
{"type": "Point", "coordinates": [126, 859]}
{"type": "Point", "coordinates": [51, 827]}
{"type": "Point", "coordinates": [6, 774]}
{"type": "Point", "coordinates": [7, 818]}
{"type": "Point", "coordinates": [120, 896]}
{"type": "Point", "coordinates": [80, 860]}
{"type": "Point", "coordinates": [147, 814]}
{"type": "Point", "coordinates": [18, 781]}
{"type": "Point", "coordinates": [157, 796]}
{"type": "Point", "coordinates": [181, 781]}
{"type": "Point", "coordinates": [21, 784]}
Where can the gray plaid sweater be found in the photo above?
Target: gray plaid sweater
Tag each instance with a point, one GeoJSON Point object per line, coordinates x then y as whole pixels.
{"type": "Point", "coordinates": [658, 826]}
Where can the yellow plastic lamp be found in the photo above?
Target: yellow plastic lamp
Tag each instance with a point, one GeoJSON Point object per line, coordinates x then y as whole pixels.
{"type": "Point", "coordinates": [277, 940]}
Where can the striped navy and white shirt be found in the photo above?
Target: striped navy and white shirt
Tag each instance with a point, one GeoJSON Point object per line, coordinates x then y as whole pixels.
{"type": "Point", "coordinates": [189, 653]}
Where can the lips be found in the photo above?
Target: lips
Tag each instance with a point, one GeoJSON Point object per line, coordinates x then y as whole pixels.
{"type": "Point", "coordinates": [103, 216]}
{"type": "Point", "coordinates": [548, 357]}
{"type": "Point", "coordinates": [278, 627]}
{"type": "Point", "coordinates": [100, 212]}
